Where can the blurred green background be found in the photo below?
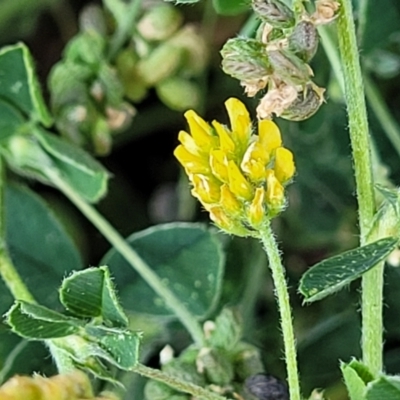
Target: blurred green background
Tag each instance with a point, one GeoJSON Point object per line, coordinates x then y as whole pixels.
{"type": "Point", "coordinates": [321, 220]}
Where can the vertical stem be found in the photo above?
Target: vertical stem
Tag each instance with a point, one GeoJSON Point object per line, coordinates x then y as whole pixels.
{"type": "Point", "coordinates": [372, 325]}
{"type": "Point", "coordinates": [282, 295]}
{"type": "Point", "coordinates": [153, 280]}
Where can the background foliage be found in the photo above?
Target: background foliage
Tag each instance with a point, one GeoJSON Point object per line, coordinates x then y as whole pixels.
{"type": "Point", "coordinates": [146, 188]}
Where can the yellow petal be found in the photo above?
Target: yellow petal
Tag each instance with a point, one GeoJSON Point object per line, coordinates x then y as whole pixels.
{"type": "Point", "coordinates": [256, 211]}
{"type": "Point", "coordinates": [238, 184]}
{"type": "Point", "coordinates": [284, 165]}
{"type": "Point", "coordinates": [225, 141]}
{"type": "Point", "coordinates": [254, 161]}
{"type": "Point", "coordinates": [269, 135]}
{"type": "Point", "coordinates": [238, 115]}
{"type": "Point", "coordinates": [223, 221]}
{"type": "Point", "coordinates": [192, 164]}
{"type": "Point", "coordinates": [189, 143]}
{"type": "Point", "coordinates": [206, 189]}
{"type": "Point", "coordinates": [219, 165]}
{"type": "Point", "coordinates": [229, 203]}
{"type": "Point", "coordinates": [275, 193]}
{"type": "Point", "coordinates": [200, 131]}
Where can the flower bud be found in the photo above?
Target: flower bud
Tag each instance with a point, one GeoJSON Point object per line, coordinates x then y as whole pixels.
{"type": "Point", "coordinates": [215, 366]}
{"type": "Point", "coordinates": [288, 67]}
{"type": "Point", "coordinates": [119, 118]}
{"type": "Point", "coordinates": [184, 371]}
{"type": "Point", "coordinates": [92, 19]}
{"type": "Point", "coordinates": [87, 47]}
{"type": "Point", "coordinates": [304, 40]}
{"type": "Point", "coordinates": [194, 47]}
{"type": "Point", "coordinates": [158, 391]}
{"type": "Point", "coordinates": [101, 137]}
{"type": "Point", "coordinates": [227, 331]}
{"type": "Point", "coordinates": [274, 12]}
{"type": "Point", "coordinates": [135, 89]}
{"type": "Point", "coordinates": [179, 94]}
{"type": "Point", "coordinates": [245, 59]}
{"type": "Point", "coordinates": [160, 22]}
{"type": "Point", "coordinates": [247, 360]}
{"type": "Point", "coordinates": [306, 105]}
{"type": "Point", "coordinates": [161, 63]}
{"type": "Point", "coordinates": [25, 153]}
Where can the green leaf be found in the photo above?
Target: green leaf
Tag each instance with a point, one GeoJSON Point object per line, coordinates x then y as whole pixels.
{"type": "Point", "coordinates": [330, 275]}
{"type": "Point", "coordinates": [356, 376]}
{"type": "Point", "coordinates": [391, 196]}
{"type": "Point", "coordinates": [39, 245]}
{"type": "Point", "coordinates": [121, 346]}
{"type": "Point", "coordinates": [37, 322]}
{"type": "Point", "coordinates": [354, 384]}
{"type": "Point", "coordinates": [19, 84]}
{"type": "Point", "coordinates": [91, 293]}
{"type": "Point", "coordinates": [83, 354]}
{"type": "Point", "coordinates": [80, 170]}
{"type": "Point", "coordinates": [10, 120]}
{"type": "Point", "coordinates": [187, 257]}
{"type": "Point", "coordinates": [230, 7]}
{"type": "Point", "coordinates": [386, 387]}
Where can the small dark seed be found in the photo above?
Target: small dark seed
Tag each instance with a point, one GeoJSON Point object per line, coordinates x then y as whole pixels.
{"type": "Point", "coordinates": [267, 387]}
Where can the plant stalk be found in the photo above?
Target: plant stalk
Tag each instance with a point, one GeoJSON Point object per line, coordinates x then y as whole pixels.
{"type": "Point", "coordinates": [176, 383]}
{"type": "Point", "coordinates": [282, 295]}
{"type": "Point", "coordinates": [372, 324]}
{"type": "Point", "coordinates": [109, 232]}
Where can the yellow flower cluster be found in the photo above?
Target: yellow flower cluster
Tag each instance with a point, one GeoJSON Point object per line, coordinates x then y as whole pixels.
{"type": "Point", "coordinates": [239, 177]}
{"type": "Point", "coordinates": [73, 386]}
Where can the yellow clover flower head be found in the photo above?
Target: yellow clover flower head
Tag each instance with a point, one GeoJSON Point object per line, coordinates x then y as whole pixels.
{"type": "Point", "coordinates": [238, 176]}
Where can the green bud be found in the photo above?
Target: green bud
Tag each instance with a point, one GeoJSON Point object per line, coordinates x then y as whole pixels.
{"type": "Point", "coordinates": [195, 50]}
{"type": "Point", "coordinates": [119, 118]}
{"type": "Point", "coordinates": [288, 67]}
{"type": "Point", "coordinates": [245, 59]}
{"type": "Point", "coordinates": [135, 88]}
{"type": "Point", "coordinates": [26, 154]}
{"type": "Point", "coordinates": [247, 361]}
{"type": "Point", "coordinates": [87, 47]}
{"type": "Point", "coordinates": [185, 371]}
{"type": "Point", "coordinates": [101, 137]}
{"type": "Point", "coordinates": [304, 40]}
{"type": "Point", "coordinates": [227, 331]}
{"type": "Point", "coordinates": [69, 122]}
{"type": "Point", "coordinates": [306, 105]}
{"type": "Point", "coordinates": [215, 365]}
{"type": "Point", "coordinates": [158, 391]}
{"type": "Point", "coordinates": [276, 13]}
{"type": "Point", "coordinates": [160, 22]}
{"type": "Point", "coordinates": [162, 63]}
{"type": "Point", "coordinates": [111, 85]}
{"type": "Point", "coordinates": [92, 19]}
{"type": "Point", "coordinates": [179, 397]}
{"type": "Point", "coordinates": [179, 94]}
{"type": "Point", "coordinates": [68, 83]}
{"type": "Point", "coordinates": [189, 355]}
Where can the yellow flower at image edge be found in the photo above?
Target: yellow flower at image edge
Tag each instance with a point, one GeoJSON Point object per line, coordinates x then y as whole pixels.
{"type": "Point", "coordinates": [238, 176]}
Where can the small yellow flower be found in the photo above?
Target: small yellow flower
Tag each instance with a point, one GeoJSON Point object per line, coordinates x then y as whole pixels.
{"type": "Point", "coordinates": [238, 176]}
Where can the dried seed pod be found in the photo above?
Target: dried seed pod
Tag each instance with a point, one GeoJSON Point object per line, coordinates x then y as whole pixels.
{"type": "Point", "coordinates": [245, 59]}
{"type": "Point", "coordinates": [288, 67]}
{"type": "Point", "coordinates": [306, 105]}
{"type": "Point", "coordinates": [276, 13]}
{"type": "Point", "coordinates": [304, 40]}
{"type": "Point", "coordinates": [267, 387]}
